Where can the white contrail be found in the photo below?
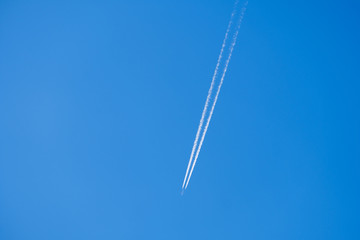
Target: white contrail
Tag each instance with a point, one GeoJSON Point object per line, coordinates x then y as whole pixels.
{"type": "Point", "coordinates": [218, 91]}
{"type": "Point", "coordinates": [209, 93]}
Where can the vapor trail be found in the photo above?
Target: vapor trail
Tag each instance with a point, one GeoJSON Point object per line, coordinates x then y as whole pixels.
{"type": "Point", "coordinates": [218, 91]}
{"type": "Point", "coordinates": [209, 93]}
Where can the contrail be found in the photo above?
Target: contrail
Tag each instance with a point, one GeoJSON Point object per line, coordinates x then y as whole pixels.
{"type": "Point", "coordinates": [218, 91]}
{"type": "Point", "coordinates": [209, 93]}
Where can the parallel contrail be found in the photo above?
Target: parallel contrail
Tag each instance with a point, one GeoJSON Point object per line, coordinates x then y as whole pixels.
{"type": "Point", "coordinates": [218, 91]}
{"type": "Point", "coordinates": [209, 93]}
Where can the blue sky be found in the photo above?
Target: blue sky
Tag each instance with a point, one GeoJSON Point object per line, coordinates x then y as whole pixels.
{"type": "Point", "coordinates": [100, 102]}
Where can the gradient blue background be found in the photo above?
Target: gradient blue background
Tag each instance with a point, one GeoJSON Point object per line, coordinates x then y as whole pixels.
{"type": "Point", "coordinates": [100, 102]}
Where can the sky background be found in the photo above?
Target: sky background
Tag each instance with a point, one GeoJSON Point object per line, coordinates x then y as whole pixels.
{"type": "Point", "coordinates": [100, 102]}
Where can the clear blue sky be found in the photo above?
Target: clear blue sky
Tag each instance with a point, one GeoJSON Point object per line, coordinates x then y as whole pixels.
{"type": "Point", "coordinates": [100, 102]}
